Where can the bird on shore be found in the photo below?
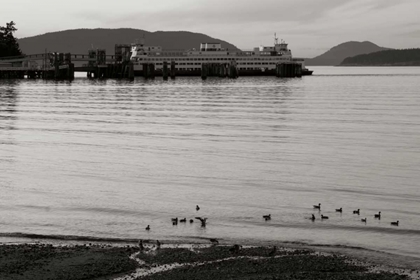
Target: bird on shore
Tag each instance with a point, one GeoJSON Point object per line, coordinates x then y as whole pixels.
{"type": "Point", "coordinates": [183, 220]}
{"type": "Point", "coordinates": [395, 223]}
{"type": "Point", "coordinates": [214, 241]}
{"type": "Point", "coordinates": [364, 220]}
{"type": "Point", "coordinates": [324, 217]}
{"type": "Point", "coordinates": [235, 248]}
{"type": "Point", "coordinates": [197, 208]}
{"type": "Point", "coordinates": [356, 211]}
{"type": "Point", "coordinates": [158, 244]}
{"type": "Point", "coordinates": [141, 245]}
{"type": "Point", "coordinates": [312, 218]}
{"type": "Point", "coordinates": [273, 251]}
{"type": "Point", "coordinates": [339, 210]}
{"type": "Point", "coordinates": [267, 217]}
{"type": "Point", "coordinates": [148, 227]}
{"type": "Point", "coordinates": [378, 216]}
{"type": "Point", "coordinates": [202, 220]}
{"type": "Point", "coordinates": [317, 206]}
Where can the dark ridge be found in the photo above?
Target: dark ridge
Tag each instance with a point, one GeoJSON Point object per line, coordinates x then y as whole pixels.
{"type": "Point", "coordinates": [405, 57]}
{"type": "Point", "coordinates": [338, 53]}
{"type": "Point", "coordinates": [79, 41]}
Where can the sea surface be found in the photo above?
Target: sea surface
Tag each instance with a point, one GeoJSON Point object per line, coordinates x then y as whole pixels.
{"type": "Point", "coordinates": [106, 158]}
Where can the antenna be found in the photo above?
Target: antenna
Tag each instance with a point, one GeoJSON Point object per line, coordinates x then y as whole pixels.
{"type": "Point", "coordinates": [276, 40]}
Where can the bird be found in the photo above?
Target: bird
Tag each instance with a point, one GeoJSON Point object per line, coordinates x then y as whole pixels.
{"type": "Point", "coordinates": [183, 220]}
{"type": "Point", "coordinates": [158, 244]}
{"type": "Point", "coordinates": [197, 207]}
{"type": "Point", "coordinates": [267, 217]}
{"type": "Point", "coordinates": [395, 223]}
{"type": "Point", "coordinates": [273, 251]}
{"type": "Point", "coordinates": [202, 220]}
{"type": "Point", "coordinates": [364, 220]}
{"type": "Point", "coordinates": [313, 217]}
{"type": "Point", "coordinates": [339, 210]}
{"type": "Point", "coordinates": [174, 221]}
{"type": "Point", "coordinates": [141, 245]}
{"type": "Point", "coordinates": [356, 211]}
{"type": "Point", "coordinates": [235, 248]}
{"type": "Point", "coordinates": [214, 241]}
{"type": "Point", "coordinates": [191, 221]}
{"type": "Point", "coordinates": [148, 227]}
{"type": "Point", "coordinates": [324, 217]}
{"type": "Point", "coordinates": [378, 216]}
{"type": "Point", "coordinates": [317, 206]}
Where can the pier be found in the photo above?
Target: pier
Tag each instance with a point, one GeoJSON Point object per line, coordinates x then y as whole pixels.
{"type": "Point", "coordinates": [98, 65]}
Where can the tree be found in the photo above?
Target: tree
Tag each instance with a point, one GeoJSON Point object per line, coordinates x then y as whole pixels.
{"type": "Point", "coordinates": [8, 43]}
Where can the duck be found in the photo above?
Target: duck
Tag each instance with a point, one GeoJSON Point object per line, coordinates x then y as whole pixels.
{"type": "Point", "coordinates": [148, 227]}
{"type": "Point", "coordinates": [197, 208]}
{"type": "Point", "coordinates": [339, 210]}
{"type": "Point", "coordinates": [395, 223]}
{"type": "Point", "coordinates": [191, 221]}
{"type": "Point", "coordinates": [324, 217]}
{"type": "Point", "coordinates": [214, 241]}
{"type": "Point", "coordinates": [183, 220]}
{"type": "Point", "coordinates": [364, 220]}
{"type": "Point", "coordinates": [356, 211]}
{"type": "Point", "coordinates": [317, 206]}
{"type": "Point", "coordinates": [313, 217]}
{"type": "Point", "coordinates": [267, 217]}
{"type": "Point", "coordinates": [202, 220]}
{"type": "Point", "coordinates": [378, 216]}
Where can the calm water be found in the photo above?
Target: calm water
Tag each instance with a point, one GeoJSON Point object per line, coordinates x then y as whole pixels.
{"type": "Point", "coordinates": [107, 158]}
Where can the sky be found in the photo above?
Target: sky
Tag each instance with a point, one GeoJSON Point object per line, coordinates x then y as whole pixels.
{"type": "Point", "coordinates": [310, 27]}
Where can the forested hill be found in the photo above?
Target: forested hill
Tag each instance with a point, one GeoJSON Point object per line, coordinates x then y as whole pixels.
{"type": "Point", "coordinates": [79, 41]}
{"type": "Point", "coordinates": [406, 57]}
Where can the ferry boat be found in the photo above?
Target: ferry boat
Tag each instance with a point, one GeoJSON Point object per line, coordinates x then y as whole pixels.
{"type": "Point", "coordinates": [261, 61]}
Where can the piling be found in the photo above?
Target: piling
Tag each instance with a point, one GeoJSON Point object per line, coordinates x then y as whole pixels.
{"type": "Point", "coordinates": [165, 71]}
{"type": "Point", "coordinates": [173, 69]}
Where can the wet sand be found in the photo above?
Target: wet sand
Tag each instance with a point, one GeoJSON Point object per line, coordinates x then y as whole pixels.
{"type": "Point", "coordinates": [185, 261]}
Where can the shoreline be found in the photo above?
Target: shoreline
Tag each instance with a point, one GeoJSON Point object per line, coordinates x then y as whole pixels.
{"type": "Point", "coordinates": [124, 260]}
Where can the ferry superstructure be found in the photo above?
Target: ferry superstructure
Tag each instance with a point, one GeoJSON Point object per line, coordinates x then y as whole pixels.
{"type": "Point", "coordinates": [260, 61]}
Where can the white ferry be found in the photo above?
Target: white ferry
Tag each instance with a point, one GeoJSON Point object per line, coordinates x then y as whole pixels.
{"type": "Point", "coordinates": [260, 61]}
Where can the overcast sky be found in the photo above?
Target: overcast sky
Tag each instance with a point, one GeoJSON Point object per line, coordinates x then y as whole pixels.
{"type": "Point", "coordinates": [309, 26]}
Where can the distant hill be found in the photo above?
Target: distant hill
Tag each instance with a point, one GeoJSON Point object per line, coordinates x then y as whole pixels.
{"type": "Point", "coordinates": [79, 41]}
{"type": "Point", "coordinates": [407, 57]}
{"type": "Point", "coordinates": [338, 53]}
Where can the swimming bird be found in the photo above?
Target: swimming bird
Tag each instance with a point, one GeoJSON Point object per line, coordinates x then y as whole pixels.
{"type": "Point", "coordinates": [267, 217]}
{"type": "Point", "coordinates": [364, 220]}
{"type": "Point", "coordinates": [378, 216]}
{"type": "Point", "coordinates": [158, 244]}
{"type": "Point", "coordinates": [183, 220]}
{"type": "Point", "coordinates": [395, 223]}
{"type": "Point", "coordinates": [273, 251]}
{"type": "Point", "coordinates": [148, 227]}
{"type": "Point", "coordinates": [339, 210]}
{"type": "Point", "coordinates": [202, 220]}
{"type": "Point", "coordinates": [214, 241]}
{"type": "Point", "coordinates": [313, 217]}
{"type": "Point", "coordinates": [191, 221]}
{"type": "Point", "coordinates": [141, 245]}
{"type": "Point", "coordinates": [356, 211]}
{"type": "Point", "coordinates": [235, 248]}
{"type": "Point", "coordinates": [324, 217]}
{"type": "Point", "coordinates": [197, 207]}
{"type": "Point", "coordinates": [317, 206]}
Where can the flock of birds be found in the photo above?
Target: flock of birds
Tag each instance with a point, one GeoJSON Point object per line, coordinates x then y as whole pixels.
{"type": "Point", "coordinates": [340, 210]}
{"type": "Point", "coordinates": [175, 221]}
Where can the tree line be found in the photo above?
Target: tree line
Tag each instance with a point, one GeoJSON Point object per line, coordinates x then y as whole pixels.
{"type": "Point", "coordinates": [405, 57]}
{"type": "Point", "coordinates": [8, 43]}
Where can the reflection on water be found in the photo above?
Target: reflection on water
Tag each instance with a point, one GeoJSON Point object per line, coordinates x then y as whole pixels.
{"type": "Point", "coordinates": [104, 158]}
